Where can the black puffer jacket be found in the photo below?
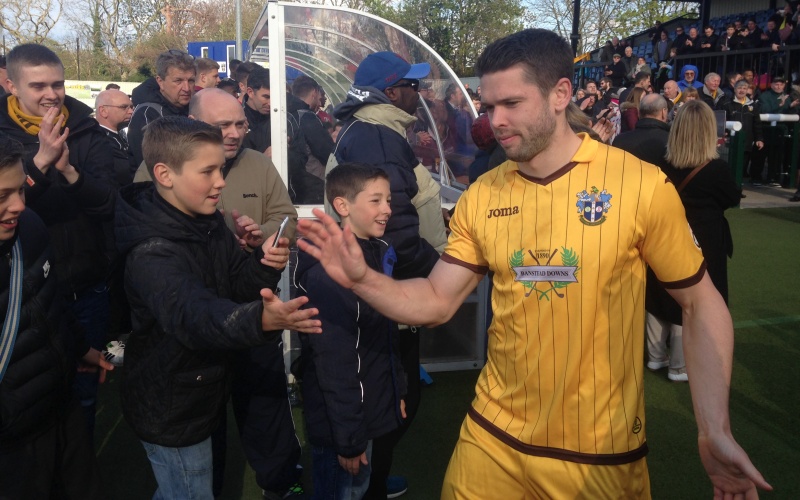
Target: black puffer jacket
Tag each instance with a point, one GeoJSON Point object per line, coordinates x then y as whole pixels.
{"type": "Point", "coordinates": [74, 214]}
{"type": "Point", "coordinates": [148, 92]}
{"type": "Point", "coordinates": [37, 383]}
{"type": "Point", "coordinates": [194, 294]}
{"type": "Point", "coordinates": [352, 378]}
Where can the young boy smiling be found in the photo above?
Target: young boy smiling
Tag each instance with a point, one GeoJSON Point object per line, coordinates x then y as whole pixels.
{"type": "Point", "coordinates": [194, 294]}
{"type": "Point", "coordinates": [352, 380]}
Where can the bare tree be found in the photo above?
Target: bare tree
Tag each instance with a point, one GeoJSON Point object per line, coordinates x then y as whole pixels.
{"type": "Point", "coordinates": [30, 20]}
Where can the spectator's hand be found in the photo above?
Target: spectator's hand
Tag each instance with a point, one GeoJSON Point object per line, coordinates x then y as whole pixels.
{"type": "Point", "coordinates": [92, 361]}
{"type": "Point", "coordinates": [51, 140]}
{"type": "Point", "coordinates": [403, 408]}
{"type": "Point", "coordinates": [604, 128]}
{"type": "Point", "coordinates": [446, 215]}
{"type": "Point", "coordinates": [246, 229]}
{"type": "Point", "coordinates": [276, 257]}
{"type": "Point", "coordinates": [424, 138]}
{"type": "Point", "coordinates": [351, 465]}
{"type": "Point", "coordinates": [760, 144]}
{"type": "Point", "coordinates": [775, 47]}
{"type": "Point", "coordinates": [730, 469]}
{"type": "Point", "coordinates": [268, 152]}
{"type": "Point", "coordinates": [278, 315]}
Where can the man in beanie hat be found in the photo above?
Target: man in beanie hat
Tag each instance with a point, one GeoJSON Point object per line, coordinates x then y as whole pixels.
{"type": "Point", "coordinates": [380, 106]}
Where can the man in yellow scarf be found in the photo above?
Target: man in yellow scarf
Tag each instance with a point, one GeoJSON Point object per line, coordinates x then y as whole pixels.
{"type": "Point", "coordinates": [69, 167]}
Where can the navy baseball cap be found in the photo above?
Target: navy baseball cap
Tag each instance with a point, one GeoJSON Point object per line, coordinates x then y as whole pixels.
{"type": "Point", "coordinates": [384, 69]}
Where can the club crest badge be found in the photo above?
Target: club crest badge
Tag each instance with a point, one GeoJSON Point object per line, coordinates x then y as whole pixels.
{"type": "Point", "coordinates": [593, 206]}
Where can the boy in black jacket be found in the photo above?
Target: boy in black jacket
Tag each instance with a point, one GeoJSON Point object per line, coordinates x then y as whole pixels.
{"type": "Point", "coordinates": [194, 294]}
{"type": "Point", "coordinates": [45, 451]}
{"type": "Point", "coordinates": [352, 379]}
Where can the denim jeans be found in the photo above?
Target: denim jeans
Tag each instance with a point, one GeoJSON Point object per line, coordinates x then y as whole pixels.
{"type": "Point", "coordinates": [332, 482]}
{"type": "Point", "coordinates": [91, 309]}
{"type": "Point", "coordinates": [185, 473]}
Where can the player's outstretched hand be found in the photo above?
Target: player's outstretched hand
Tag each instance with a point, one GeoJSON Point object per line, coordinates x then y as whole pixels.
{"type": "Point", "coordinates": [732, 474]}
{"type": "Point", "coordinates": [280, 315]}
{"type": "Point", "coordinates": [336, 249]}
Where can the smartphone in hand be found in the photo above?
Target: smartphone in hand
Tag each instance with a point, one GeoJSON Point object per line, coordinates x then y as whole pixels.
{"type": "Point", "coordinates": [281, 229]}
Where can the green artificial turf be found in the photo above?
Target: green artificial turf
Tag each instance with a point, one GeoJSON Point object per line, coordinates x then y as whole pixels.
{"type": "Point", "coordinates": [765, 392]}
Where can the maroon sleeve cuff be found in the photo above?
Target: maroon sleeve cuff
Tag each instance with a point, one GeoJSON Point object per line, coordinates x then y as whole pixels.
{"type": "Point", "coordinates": [686, 282]}
{"type": "Point", "coordinates": [472, 267]}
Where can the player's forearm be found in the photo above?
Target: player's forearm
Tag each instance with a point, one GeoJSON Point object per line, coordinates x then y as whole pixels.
{"type": "Point", "coordinates": [708, 348]}
{"type": "Point", "coordinates": [410, 302]}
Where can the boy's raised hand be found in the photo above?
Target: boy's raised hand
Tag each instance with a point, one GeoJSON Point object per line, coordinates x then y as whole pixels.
{"type": "Point", "coordinates": [275, 257]}
{"type": "Point", "coordinates": [279, 315]}
{"type": "Point", "coordinates": [51, 140]}
{"type": "Point", "coordinates": [337, 250]}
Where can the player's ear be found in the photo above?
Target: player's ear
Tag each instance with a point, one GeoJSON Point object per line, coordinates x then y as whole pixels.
{"type": "Point", "coordinates": [562, 94]}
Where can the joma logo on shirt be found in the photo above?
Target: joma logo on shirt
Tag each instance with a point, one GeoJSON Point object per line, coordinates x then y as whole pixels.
{"type": "Point", "coordinates": [250, 195]}
{"type": "Point", "coordinates": [502, 212]}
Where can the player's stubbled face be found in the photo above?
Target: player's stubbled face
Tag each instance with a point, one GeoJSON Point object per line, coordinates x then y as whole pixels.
{"type": "Point", "coordinates": [522, 118]}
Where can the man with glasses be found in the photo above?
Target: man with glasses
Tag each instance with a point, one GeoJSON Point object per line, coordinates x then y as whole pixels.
{"type": "Point", "coordinates": [167, 94]}
{"type": "Point", "coordinates": [380, 106]}
{"type": "Point", "coordinates": [689, 78]}
{"type": "Point", "coordinates": [113, 110]}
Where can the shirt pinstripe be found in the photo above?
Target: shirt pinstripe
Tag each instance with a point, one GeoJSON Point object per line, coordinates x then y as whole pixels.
{"type": "Point", "coordinates": [569, 252]}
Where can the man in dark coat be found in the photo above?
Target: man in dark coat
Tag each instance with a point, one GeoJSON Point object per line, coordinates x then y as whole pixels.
{"type": "Point", "coordinates": [70, 186]}
{"type": "Point", "coordinates": [648, 141]}
{"type": "Point", "coordinates": [167, 94]}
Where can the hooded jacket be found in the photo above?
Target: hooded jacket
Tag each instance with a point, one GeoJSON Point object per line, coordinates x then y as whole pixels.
{"type": "Point", "coordinates": [352, 378]}
{"type": "Point", "coordinates": [682, 84]}
{"type": "Point", "coordinates": [73, 213]}
{"type": "Point", "coordinates": [374, 133]}
{"type": "Point", "coordinates": [38, 381]}
{"type": "Point", "coordinates": [194, 294]}
{"type": "Point", "coordinates": [148, 92]}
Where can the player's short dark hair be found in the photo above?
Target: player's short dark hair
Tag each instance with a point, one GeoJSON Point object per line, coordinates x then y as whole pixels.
{"type": "Point", "coordinates": [545, 57]}
{"type": "Point", "coordinates": [346, 180]}
{"type": "Point", "coordinates": [304, 85]}
{"type": "Point", "coordinates": [11, 151]}
{"type": "Point", "coordinates": [30, 54]}
{"type": "Point", "coordinates": [113, 86]}
{"type": "Point", "coordinates": [259, 79]}
{"type": "Point", "coordinates": [174, 58]}
{"type": "Point", "coordinates": [172, 140]}
{"type": "Point", "coordinates": [228, 83]}
{"type": "Point", "coordinates": [640, 77]}
{"type": "Point", "coordinates": [244, 70]}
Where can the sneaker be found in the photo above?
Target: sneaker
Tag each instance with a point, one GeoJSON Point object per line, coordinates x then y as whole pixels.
{"type": "Point", "coordinates": [757, 184]}
{"type": "Point", "coordinates": [680, 376]}
{"type": "Point", "coordinates": [774, 184]}
{"type": "Point", "coordinates": [293, 491]}
{"type": "Point", "coordinates": [657, 365]}
{"type": "Point", "coordinates": [396, 486]}
{"type": "Point", "coordinates": [115, 352]}
{"type": "Point", "coordinates": [794, 199]}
